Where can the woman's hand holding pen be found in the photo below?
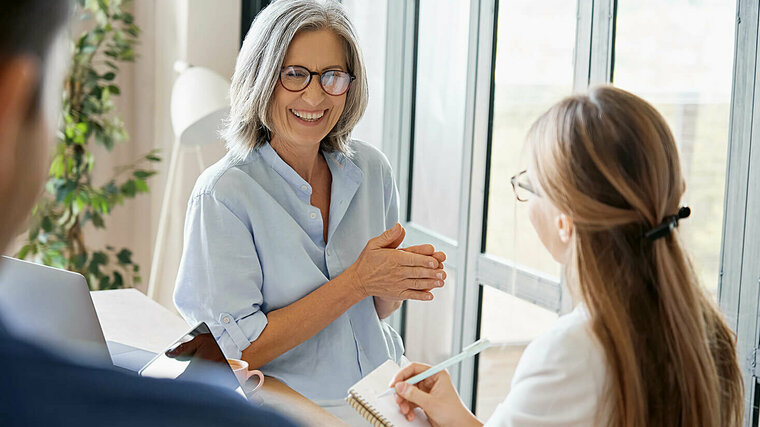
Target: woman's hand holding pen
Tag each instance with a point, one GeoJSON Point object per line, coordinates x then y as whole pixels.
{"type": "Point", "coordinates": [435, 395]}
{"type": "Point", "coordinates": [386, 272]}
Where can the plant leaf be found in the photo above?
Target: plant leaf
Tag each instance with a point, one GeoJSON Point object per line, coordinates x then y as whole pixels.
{"type": "Point", "coordinates": [141, 186]}
{"type": "Point", "coordinates": [129, 188]}
{"type": "Point", "coordinates": [47, 224]}
{"type": "Point", "coordinates": [79, 260]}
{"type": "Point", "coordinates": [118, 280]}
{"type": "Point", "coordinates": [57, 166]}
{"type": "Point", "coordinates": [23, 252]}
{"type": "Point", "coordinates": [97, 221]}
{"type": "Point", "coordinates": [143, 174]}
{"type": "Point", "coordinates": [124, 256]}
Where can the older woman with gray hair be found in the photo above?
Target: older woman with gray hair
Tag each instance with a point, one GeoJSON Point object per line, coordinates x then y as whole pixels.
{"type": "Point", "coordinates": [291, 240]}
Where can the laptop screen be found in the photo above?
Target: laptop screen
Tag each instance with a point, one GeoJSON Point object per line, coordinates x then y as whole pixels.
{"type": "Point", "coordinates": [194, 357]}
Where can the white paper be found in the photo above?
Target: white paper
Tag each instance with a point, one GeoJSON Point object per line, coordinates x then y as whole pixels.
{"type": "Point", "coordinates": [374, 384]}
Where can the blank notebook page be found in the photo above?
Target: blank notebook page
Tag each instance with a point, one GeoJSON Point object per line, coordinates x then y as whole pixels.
{"type": "Point", "coordinates": [370, 387]}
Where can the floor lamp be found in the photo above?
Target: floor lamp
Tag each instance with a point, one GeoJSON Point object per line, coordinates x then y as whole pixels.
{"type": "Point", "coordinates": [200, 101]}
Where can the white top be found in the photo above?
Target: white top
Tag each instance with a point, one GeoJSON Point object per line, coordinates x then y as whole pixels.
{"type": "Point", "coordinates": [559, 380]}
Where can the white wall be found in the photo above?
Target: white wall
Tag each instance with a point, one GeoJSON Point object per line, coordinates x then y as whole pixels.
{"type": "Point", "coordinates": [202, 33]}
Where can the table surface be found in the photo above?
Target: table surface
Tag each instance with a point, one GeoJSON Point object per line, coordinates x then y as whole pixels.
{"type": "Point", "coordinates": [129, 317]}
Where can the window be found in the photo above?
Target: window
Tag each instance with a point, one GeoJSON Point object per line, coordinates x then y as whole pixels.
{"type": "Point", "coordinates": [533, 70]}
{"type": "Point", "coordinates": [438, 134]}
{"type": "Point", "coordinates": [466, 96]}
{"type": "Point", "coordinates": [430, 338]}
{"type": "Point", "coordinates": [441, 76]}
{"type": "Point", "coordinates": [510, 324]}
{"type": "Point", "coordinates": [678, 55]}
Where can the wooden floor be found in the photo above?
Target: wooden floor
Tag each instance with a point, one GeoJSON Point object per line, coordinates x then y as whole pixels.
{"type": "Point", "coordinates": [495, 370]}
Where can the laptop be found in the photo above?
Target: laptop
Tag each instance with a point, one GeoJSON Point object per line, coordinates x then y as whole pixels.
{"type": "Point", "coordinates": [52, 308]}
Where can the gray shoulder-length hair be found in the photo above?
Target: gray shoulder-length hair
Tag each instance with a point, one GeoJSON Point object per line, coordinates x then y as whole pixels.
{"type": "Point", "coordinates": [257, 72]}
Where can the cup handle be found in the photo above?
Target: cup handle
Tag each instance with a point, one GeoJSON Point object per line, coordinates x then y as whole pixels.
{"type": "Point", "coordinates": [255, 372]}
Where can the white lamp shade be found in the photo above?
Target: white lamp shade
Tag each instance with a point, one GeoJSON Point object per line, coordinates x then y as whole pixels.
{"type": "Point", "coordinates": [200, 101]}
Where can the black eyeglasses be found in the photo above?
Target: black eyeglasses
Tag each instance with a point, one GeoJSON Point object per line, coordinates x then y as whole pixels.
{"type": "Point", "coordinates": [295, 78]}
{"type": "Point", "coordinates": [522, 187]}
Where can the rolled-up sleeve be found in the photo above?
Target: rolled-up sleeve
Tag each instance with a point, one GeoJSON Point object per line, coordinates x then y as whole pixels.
{"type": "Point", "coordinates": [220, 279]}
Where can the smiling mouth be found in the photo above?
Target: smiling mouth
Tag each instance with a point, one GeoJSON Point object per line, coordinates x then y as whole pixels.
{"type": "Point", "coordinates": [308, 116]}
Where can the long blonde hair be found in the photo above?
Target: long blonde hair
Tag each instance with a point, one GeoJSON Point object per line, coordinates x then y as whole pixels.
{"type": "Point", "coordinates": [609, 161]}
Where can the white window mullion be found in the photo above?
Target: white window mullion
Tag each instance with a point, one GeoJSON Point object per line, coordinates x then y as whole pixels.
{"type": "Point", "coordinates": [483, 47]}
{"type": "Point", "coordinates": [739, 284]}
{"type": "Point", "coordinates": [602, 32]}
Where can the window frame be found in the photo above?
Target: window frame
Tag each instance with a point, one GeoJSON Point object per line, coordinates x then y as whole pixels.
{"type": "Point", "coordinates": [741, 235]}
{"type": "Point", "coordinates": [248, 11]}
{"type": "Point", "coordinates": [416, 233]}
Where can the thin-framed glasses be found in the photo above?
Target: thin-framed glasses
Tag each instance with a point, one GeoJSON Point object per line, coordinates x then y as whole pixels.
{"type": "Point", "coordinates": [296, 78]}
{"type": "Point", "coordinates": [523, 188]}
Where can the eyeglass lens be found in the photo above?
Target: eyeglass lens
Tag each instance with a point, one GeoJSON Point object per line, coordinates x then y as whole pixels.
{"type": "Point", "coordinates": [333, 82]}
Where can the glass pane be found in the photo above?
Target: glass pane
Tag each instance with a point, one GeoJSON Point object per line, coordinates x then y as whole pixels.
{"type": "Point", "coordinates": [510, 323]}
{"type": "Point", "coordinates": [439, 114]}
{"type": "Point", "coordinates": [369, 19]}
{"type": "Point", "coordinates": [430, 325]}
{"type": "Point", "coordinates": [533, 70]}
{"type": "Point", "coordinates": [678, 55]}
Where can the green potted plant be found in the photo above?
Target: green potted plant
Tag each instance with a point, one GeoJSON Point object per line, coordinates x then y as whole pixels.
{"type": "Point", "coordinates": [72, 199]}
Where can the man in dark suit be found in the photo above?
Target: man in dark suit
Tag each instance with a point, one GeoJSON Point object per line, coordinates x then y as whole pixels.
{"type": "Point", "coordinates": [37, 387]}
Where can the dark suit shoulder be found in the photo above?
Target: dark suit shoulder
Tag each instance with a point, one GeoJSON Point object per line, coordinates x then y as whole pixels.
{"type": "Point", "coordinates": [39, 388]}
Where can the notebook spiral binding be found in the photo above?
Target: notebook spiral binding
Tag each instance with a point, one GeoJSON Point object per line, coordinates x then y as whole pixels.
{"type": "Point", "coordinates": [367, 411]}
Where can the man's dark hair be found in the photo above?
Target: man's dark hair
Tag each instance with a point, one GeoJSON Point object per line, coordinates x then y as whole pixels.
{"type": "Point", "coordinates": [28, 27]}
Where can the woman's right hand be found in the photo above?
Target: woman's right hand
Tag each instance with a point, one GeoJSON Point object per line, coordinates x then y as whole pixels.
{"type": "Point", "coordinates": [383, 271]}
{"type": "Point", "coordinates": [435, 395]}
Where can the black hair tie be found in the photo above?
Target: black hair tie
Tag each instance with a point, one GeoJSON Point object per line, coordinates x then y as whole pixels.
{"type": "Point", "coordinates": [667, 225]}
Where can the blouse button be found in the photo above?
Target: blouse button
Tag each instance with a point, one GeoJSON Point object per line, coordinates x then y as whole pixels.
{"type": "Point", "coordinates": [313, 215]}
{"type": "Point", "coordinates": [304, 188]}
{"type": "Point", "coordinates": [329, 253]}
{"type": "Point", "coordinates": [226, 319]}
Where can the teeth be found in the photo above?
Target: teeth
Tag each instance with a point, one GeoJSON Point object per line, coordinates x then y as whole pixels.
{"type": "Point", "coordinates": [310, 117]}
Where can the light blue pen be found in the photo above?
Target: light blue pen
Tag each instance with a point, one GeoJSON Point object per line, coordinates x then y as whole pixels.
{"type": "Point", "coordinates": [468, 351]}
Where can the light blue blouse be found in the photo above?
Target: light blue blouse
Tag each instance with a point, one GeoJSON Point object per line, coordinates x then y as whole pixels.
{"type": "Point", "coordinates": [254, 243]}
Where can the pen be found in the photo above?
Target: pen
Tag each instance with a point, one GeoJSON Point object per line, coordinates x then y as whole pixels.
{"type": "Point", "coordinates": [468, 351]}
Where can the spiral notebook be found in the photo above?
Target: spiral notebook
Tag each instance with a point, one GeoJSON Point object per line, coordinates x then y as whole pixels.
{"type": "Point", "coordinates": [382, 412]}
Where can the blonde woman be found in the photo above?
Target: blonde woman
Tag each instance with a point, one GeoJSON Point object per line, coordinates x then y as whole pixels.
{"type": "Point", "coordinates": [291, 240]}
{"type": "Point", "coordinates": [644, 345]}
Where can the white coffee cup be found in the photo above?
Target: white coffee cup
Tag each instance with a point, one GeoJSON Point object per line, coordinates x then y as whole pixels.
{"type": "Point", "coordinates": [240, 368]}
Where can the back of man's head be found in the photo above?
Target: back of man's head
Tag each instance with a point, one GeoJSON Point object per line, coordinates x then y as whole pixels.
{"type": "Point", "coordinates": [31, 72]}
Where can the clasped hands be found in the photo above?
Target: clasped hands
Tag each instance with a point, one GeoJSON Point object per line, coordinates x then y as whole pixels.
{"type": "Point", "coordinates": [384, 270]}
